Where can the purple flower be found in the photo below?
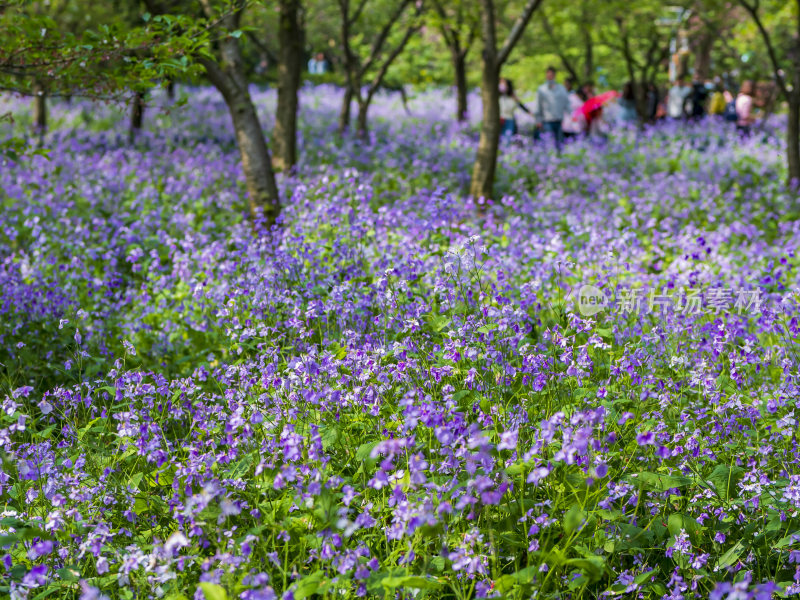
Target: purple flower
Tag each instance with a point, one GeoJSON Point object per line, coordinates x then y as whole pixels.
{"type": "Point", "coordinates": [39, 549]}
{"type": "Point", "coordinates": [646, 438]}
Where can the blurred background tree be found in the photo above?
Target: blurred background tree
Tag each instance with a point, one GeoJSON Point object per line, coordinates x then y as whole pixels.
{"type": "Point", "coordinates": [122, 48]}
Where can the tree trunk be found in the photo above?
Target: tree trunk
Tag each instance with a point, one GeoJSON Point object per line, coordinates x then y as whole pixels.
{"type": "Point", "coordinates": [363, 127]}
{"type": "Point", "coordinates": [137, 115]}
{"type": "Point", "coordinates": [229, 78]}
{"type": "Point", "coordinates": [486, 159]}
{"type": "Point", "coordinates": [702, 57]}
{"type": "Point", "coordinates": [291, 37]}
{"type": "Point", "coordinates": [588, 50]}
{"type": "Point", "coordinates": [171, 89]}
{"type": "Point", "coordinates": [793, 139]}
{"type": "Point", "coordinates": [259, 177]}
{"type": "Point", "coordinates": [344, 115]}
{"type": "Point", "coordinates": [586, 24]}
{"type": "Point", "coordinates": [226, 73]}
{"type": "Point", "coordinates": [39, 109]}
{"type": "Point", "coordinates": [460, 68]}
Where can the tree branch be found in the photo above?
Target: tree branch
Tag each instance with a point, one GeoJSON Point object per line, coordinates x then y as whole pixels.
{"type": "Point", "coordinates": [261, 46]}
{"type": "Point", "coordinates": [564, 60]}
{"type": "Point", "coordinates": [516, 31]}
{"type": "Point", "coordinates": [381, 39]}
{"type": "Point", "coordinates": [376, 82]}
{"type": "Point", "coordinates": [357, 14]}
{"type": "Point", "coordinates": [773, 57]}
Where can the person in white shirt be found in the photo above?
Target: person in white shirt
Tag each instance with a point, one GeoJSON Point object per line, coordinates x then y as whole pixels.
{"type": "Point", "coordinates": [574, 122]}
{"type": "Point", "coordinates": [508, 105]}
{"type": "Point", "coordinates": [676, 97]}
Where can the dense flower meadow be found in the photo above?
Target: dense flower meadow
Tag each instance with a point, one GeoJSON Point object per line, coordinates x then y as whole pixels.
{"type": "Point", "coordinates": [586, 389]}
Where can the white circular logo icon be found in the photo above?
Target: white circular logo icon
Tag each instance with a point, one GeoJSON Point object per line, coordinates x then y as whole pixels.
{"type": "Point", "coordinates": [590, 300]}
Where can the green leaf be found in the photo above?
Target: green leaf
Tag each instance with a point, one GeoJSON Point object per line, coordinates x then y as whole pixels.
{"type": "Point", "coordinates": [310, 585]}
{"type": "Point", "coordinates": [731, 556]}
{"type": "Point", "coordinates": [329, 435]}
{"type": "Point", "coordinates": [438, 322]}
{"type": "Point", "coordinates": [603, 333]}
{"type": "Point", "coordinates": [236, 34]}
{"type": "Point", "coordinates": [69, 574]}
{"type": "Point", "coordinates": [662, 483]}
{"type": "Point", "coordinates": [593, 566]}
{"type": "Point", "coordinates": [136, 479]}
{"type": "Point", "coordinates": [678, 521]}
{"type": "Point", "coordinates": [410, 581]}
{"type": "Point", "coordinates": [212, 591]}
{"type": "Point", "coordinates": [362, 453]}
{"type": "Point", "coordinates": [574, 518]}
{"type": "Point", "coordinates": [724, 479]}
{"type": "Point", "coordinates": [644, 577]}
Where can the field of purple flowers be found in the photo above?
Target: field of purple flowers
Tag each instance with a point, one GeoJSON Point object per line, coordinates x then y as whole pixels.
{"type": "Point", "coordinates": [400, 395]}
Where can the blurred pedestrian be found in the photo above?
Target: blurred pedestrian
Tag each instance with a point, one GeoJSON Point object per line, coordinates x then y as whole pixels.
{"type": "Point", "coordinates": [574, 123]}
{"type": "Point", "coordinates": [318, 64]}
{"type": "Point", "coordinates": [744, 108]}
{"type": "Point", "coordinates": [552, 103]}
{"type": "Point", "coordinates": [694, 105]}
{"type": "Point", "coordinates": [676, 97]}
{"type": "Point", "coordinates": [508, 105]}
{"type": "Point", "coordinates": [716, 105]}
{"type": "Point", "coordinates": [627, 104]}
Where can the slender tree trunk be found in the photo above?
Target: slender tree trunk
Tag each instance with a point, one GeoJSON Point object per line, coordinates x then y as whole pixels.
{"type": "Point", "coordinates": [586, 24]}
{"type": "Point", "coordinates": [460, 68]}
{"type": "Point", "coordinates": [492, 59]}
{"type": "Point", "coordinates": [702, 56]}
{"type": "Point", "coordinates": [171, 89]}
{"type": "Point", "coordinates": [793, 139]}
{"type": "Point", "coordinates": [486, 159]}
{"type": "Point", "coordinates": [588, 56]}
{"type": "Point", "coordinates": [344, 114]}
{"type": "Point", "coordinates": [39, 109]}
{"type": "Point", "coordinates": [291, 37]}
{"type": "Point", "coordinates": [226, 73]}
{"type": "Point", "coordinates": [259, 177]}
{"type": "Point", "coordinates": [137, 115]}
{"type": "Point", "coordinates": [229, 78]}
{"type": "Point", "coordinates": [363, 126]}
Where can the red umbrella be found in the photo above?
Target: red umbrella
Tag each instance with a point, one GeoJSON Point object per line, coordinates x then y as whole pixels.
{"type": "Point", "coordinates": [596, 102]}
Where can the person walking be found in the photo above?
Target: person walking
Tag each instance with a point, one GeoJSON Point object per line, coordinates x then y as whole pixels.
{"type": "Point", "coordinates": [574, 122]}
{"type": "Point", "coordinates": [508, 104]}
{"type": "Point", "coordinates": [716, 105]}
{"type": "Point", "coordinates": [744, 108]}
{"type": "Point", "coordinates": [552, 103]}
{"type": "Point", "coordinates": [676, 97]}
{"type": "Point", "coordinates": [627, 104]}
